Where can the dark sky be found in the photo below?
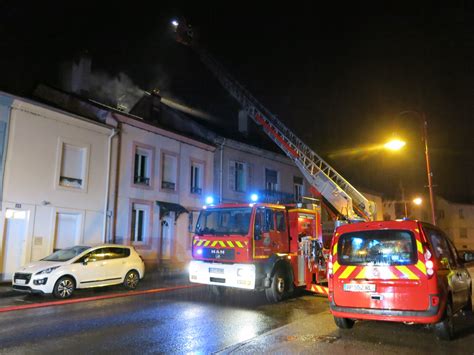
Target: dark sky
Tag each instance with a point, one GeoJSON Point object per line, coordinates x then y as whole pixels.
{"type": "Point", "coordinates": [337, 75]}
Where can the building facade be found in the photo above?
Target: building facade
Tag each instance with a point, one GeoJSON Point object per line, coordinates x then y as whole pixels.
{"type": "Point", "coordinates": [54, 181]}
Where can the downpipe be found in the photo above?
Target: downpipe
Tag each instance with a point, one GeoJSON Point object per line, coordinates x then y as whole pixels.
{"type": "Point", "coordinates": [107, 186]}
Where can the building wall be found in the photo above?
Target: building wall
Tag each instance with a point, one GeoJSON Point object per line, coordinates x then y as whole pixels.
{"type": "Point", "coordinates": [257, 161]}
{"type": "Point", "coordinates": [32, 193]}
{"type": "Point", "coordinates": [457, 220]}
{"type": "Point", "coordinates": [135, 133]}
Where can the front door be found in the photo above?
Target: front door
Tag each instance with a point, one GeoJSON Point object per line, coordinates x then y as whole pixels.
{"type": "Point", "coordinates": [17, 233]}
{"type": "Point", "coordinates": [166, 237]}
{"type": "Point", "coordinates": [266, 237]}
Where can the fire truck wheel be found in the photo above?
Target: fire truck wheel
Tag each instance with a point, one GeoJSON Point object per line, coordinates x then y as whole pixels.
{"type": "Point", "coordinates": [444, 329]}
{"type": "Point", "coordinates": [217, 291]}
{"type": "Point", "coordinates": [278, 290]}
{"type": "Point", "coordinates": [344, 323]}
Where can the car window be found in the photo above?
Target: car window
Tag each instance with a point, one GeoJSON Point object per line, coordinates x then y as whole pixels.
{"type": "Point", "coordinates": [269, 221]}
{"type": "Point", "coordinates": [116, 253]}
{"type": "Point", "coordinates": [440, 246]}
{"type": "Point", "coordinates": [377, 247]}
{"type": "Point", "coordinates": [454, 253]}
{"type": "Point", "coordinates": [95, 255]}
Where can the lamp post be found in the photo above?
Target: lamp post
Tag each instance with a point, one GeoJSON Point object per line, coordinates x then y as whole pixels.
{"type": "Point", "coordinates": [429, 173]}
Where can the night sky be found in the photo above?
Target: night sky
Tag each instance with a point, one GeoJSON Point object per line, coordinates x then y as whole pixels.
{"type": "Point", "coordinates": [337, 75]}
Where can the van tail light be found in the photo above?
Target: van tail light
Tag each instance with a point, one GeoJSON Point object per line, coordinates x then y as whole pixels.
{"type": "Point", "coordinates": [429, 263]}
{"type": "Point", "coordinates": [330, 265]}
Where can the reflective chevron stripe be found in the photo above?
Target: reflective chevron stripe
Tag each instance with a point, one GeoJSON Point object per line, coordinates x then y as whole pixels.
{"type": "Point", "coordinates": [320, 289]}
{"type": "Point", "coordinates": [220, 243]}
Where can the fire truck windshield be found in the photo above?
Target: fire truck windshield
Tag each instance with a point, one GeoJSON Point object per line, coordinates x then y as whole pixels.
{"type": "Point", "coordinates": [224, 221]}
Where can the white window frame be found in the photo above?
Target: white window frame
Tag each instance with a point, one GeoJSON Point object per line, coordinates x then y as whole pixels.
{"type": "Point", "coordinates": [176, 172]}
{"type": "Point", "coordinates": [62, 142]}
{"type": "Point", "coordinates": [149, 153]}
{"type": "Point", "coordinates": [139, 207]}
{"type": "Point", "coordinates": [196, 185]}
{"type": "Point", "coordinates": [233, 176]}
{"type": "Point", "coordinates": [275, 186]}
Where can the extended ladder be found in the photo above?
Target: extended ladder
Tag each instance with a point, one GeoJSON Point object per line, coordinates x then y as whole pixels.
{"type": "Point", "coordinates": [331, 185]}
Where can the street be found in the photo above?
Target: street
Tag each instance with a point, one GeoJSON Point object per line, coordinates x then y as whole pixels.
{"type": "Point", "coordinates": [190, 320]}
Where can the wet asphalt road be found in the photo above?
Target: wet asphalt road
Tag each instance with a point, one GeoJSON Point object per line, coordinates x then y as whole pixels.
{"type": "Point", "coordinates": [191, 320]}
{"type": "Point", "coordinates": [176, 322]}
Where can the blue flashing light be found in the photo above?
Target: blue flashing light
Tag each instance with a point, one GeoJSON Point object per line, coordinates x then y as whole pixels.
{"type": "Point", "coordinates": [209, 200]}
{"type": "Point", "coordinates": [199, 251]}
{"type": "Point", "coordinates": [254, 197]}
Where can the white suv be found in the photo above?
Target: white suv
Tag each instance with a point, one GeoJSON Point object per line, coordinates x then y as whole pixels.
{"type": "Point", "coordinates": [81, 267]}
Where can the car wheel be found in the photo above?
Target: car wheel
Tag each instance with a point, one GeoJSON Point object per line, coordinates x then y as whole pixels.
{"type": "Point", "coordinates": [131, 280]}
{"type": "Point", "coordinates": [278, 290]}
{"type": "Point", "coordinates": [64, 287]}
{"type": "Point", "coordinates": [344, 323]}
{"type": "Point", "coordinates": [444, 329]}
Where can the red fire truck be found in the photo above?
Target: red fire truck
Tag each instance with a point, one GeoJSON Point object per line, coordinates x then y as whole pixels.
{"type": "Point", "coordinates": [269, 246]}
{"type": "Point", "coordinates": [258, 246]}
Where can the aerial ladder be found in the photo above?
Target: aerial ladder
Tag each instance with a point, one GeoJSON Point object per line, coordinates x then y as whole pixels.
{"type": "Point", "coordinates": [344, 198]}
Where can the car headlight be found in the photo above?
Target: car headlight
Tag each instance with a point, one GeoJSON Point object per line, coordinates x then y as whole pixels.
{"type": "Point", "coordinates": [47, 271]}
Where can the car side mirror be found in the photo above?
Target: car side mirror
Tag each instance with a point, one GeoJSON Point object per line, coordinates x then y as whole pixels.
{"type": "Point", "coordinates": [85, 261]}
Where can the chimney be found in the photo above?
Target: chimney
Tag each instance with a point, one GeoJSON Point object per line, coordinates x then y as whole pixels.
{"type": "Point", "coordinates": [243, 122]}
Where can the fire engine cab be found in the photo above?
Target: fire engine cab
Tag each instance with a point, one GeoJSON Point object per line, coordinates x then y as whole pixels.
{"type": "Point", "coordinates": [258, 246]}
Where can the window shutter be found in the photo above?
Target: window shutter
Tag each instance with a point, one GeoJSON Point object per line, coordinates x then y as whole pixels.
{"type": "Point", "coordinates": [232, 175]}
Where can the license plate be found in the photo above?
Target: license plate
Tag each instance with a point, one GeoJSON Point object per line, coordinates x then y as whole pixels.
{"type": "Point", "coordinates": [359, 287]}
{"type": "Point", "coordinates": [214, 270]}
{"type": "Point", "coordinates": [20, 282]}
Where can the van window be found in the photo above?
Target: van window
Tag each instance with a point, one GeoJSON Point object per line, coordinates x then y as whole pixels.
{"type": "Point", "coordinates": [440, 245]}
{"type": "Point", "coordinates": [385, 247]}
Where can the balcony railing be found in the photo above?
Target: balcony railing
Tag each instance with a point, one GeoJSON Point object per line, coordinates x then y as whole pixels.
{"type": "Point", "coordinates": [141, 180]}
{"type": "Point", "coordinates": [270, 196]}
{"type": "Point", "coordinates": [196, 190]}
{"type": "Point", "coordinates": [168, 185]}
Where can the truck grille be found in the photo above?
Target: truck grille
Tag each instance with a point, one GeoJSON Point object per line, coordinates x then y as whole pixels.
{"type": "Point", "coordinates": [22, 276]}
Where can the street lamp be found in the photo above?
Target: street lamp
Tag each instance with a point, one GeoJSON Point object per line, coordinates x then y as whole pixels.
{"type": "Point", "coordinates": [397, 144]}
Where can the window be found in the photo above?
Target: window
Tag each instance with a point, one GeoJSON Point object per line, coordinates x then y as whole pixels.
{"type": "Point", "coordinates": [379, 247]}
{"type": "Point", "coordinates": [169, 171]}
{"type": "Point", "coordinates": [139, 222]}
{"type": "Point", "coordinates": [73, 166]}
{"type": "Point", "coordinates": [117, 253]}
{"type": "Point", "coordinates": [440, 246]}
{"type": "Point", "coordinates": [298, 187]}
{"type": "Point", "coordinates": [197, 172]}
{"type": "Point", "coordinates": [461, 213]}
{"type": "Point", "coordinates": [237, 176]}
{"type": "Point", "coordinates": [224, 221]}
{"type": "Point", "coordinates": [142, 166]}
{"type": "Point", "coordinates": [271, 180]}
{"type": "Point", "coordinates": [269, 221]}
{"type": "Point", "coordinates": [280, 221]}
{"type": "Point", "coordinates": [463, 233]}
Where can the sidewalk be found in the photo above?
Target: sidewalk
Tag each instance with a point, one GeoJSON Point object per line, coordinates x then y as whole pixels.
{"type": "Point", "coordinates": [153, 279]}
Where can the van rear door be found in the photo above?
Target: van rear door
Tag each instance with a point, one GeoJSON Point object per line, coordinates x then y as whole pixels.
{"type": "Point", "coordinates": [380, 269]}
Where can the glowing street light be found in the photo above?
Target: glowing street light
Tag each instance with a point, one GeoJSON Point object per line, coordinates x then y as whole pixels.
{"type": "Point", "coordinates": [417, 201]}
{"type": "Point", "coordinates": [395, 144]}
